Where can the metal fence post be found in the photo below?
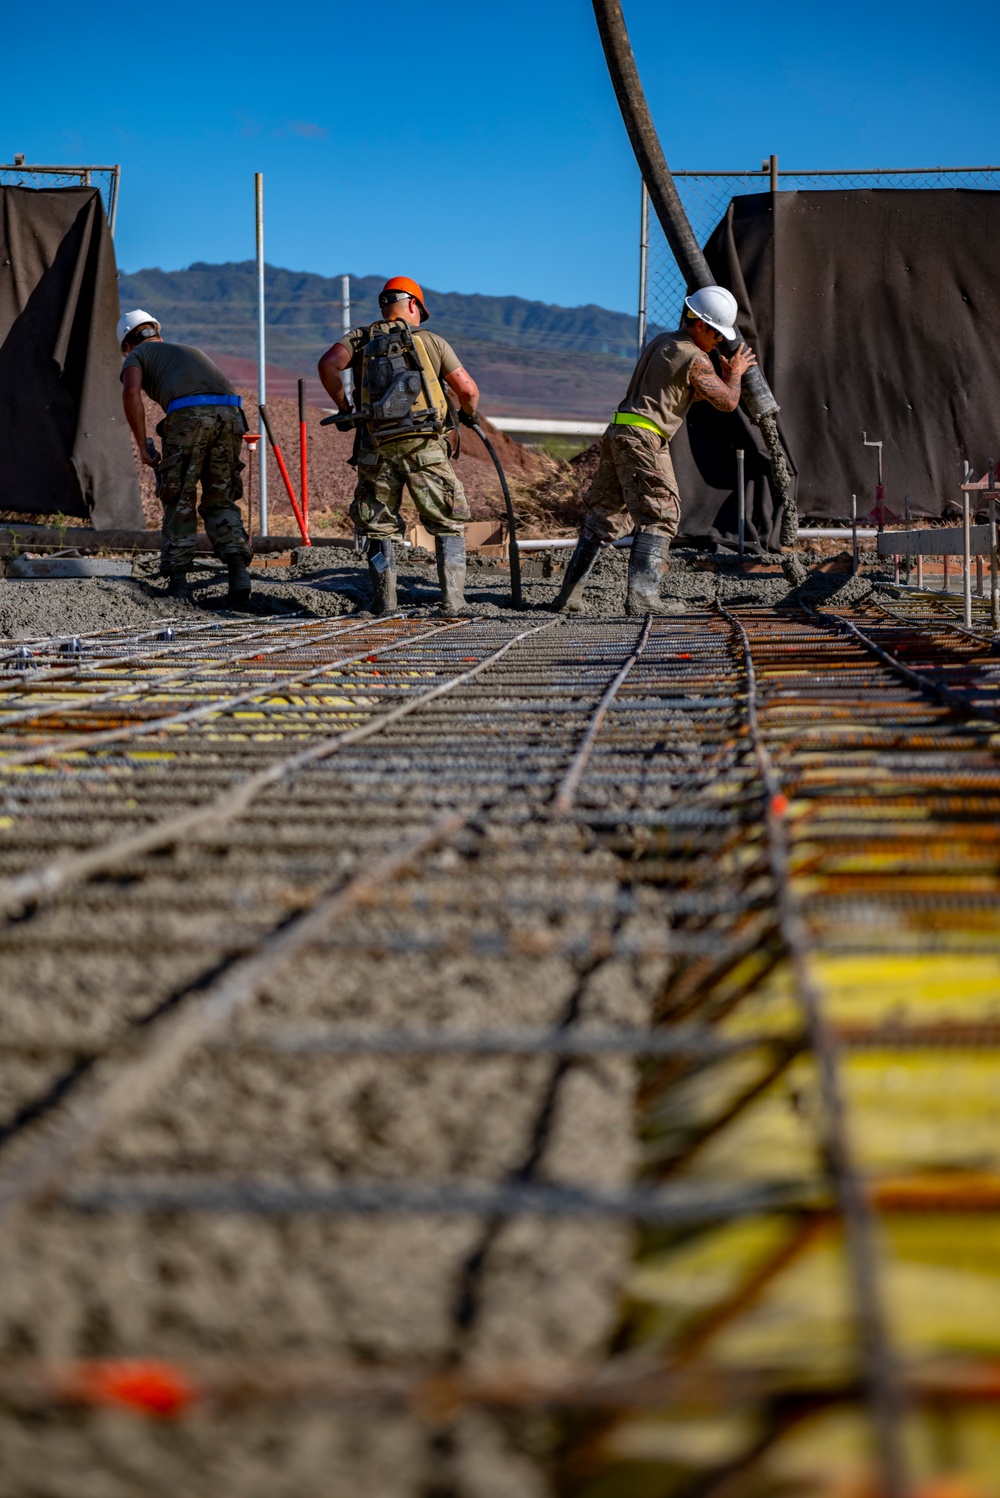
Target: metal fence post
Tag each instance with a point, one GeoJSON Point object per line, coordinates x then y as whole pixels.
{"type": "Point", "coordinates": [261, 349]}
{"type": "Point", "coordinates": [345, 327]}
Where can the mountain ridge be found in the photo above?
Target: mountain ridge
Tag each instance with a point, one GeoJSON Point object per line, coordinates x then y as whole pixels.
{"type": "Point", "coordinates": [206, 295]}
{"type": "Point", "coordinates": [516, 349]}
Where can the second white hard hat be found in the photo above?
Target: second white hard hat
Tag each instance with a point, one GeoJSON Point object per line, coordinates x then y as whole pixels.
{"type": "Point", "coordinates": [715, 306]}
{"type": "Point", "coordinates": [136, 319]}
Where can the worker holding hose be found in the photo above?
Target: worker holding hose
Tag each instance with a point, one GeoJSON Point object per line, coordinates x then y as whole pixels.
{"type": "Point", "coordinates": [634, 473]}
{"type": "Point", "coordinates": [404, 448]}
{"type": "Point", "coordinates": [202, 432]}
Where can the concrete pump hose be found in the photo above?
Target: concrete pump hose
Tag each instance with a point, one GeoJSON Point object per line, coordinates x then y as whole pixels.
{"type": "Point", "coordinates": [756, 394]}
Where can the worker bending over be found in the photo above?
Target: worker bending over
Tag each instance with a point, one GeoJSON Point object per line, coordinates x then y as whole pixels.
{"type": "Point", "coordinates": [634, 471]}
{"type": "Point", "coordinates": [202, 431]}
{"type": "Point", "coordinates": [395, 368]}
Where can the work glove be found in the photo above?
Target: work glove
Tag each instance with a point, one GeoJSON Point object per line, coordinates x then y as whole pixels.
{"type": "Point", "coordinates": [467, 420]}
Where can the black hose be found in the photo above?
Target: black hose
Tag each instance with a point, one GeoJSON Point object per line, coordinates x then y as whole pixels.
{"type": "Point", "coordinates": [756, 393]}
{"type": "Point", "coordinates": [515, 555]}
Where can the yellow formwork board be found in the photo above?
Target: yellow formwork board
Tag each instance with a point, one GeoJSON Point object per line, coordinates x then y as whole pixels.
{"type": "Point", "coordinates": [873, 989]}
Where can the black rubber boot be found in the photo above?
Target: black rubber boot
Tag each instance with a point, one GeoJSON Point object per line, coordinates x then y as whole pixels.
{"type": "Point", "coordinates": [240, 582]}
{"type": "Point", "coordinates": [382, 572]}
{"type": "Point", "coordinates": [178, 586]}
{"type": "Point", "coordinates": [578, 569]}
{"type": "Point", "coordinates": [646, 566]}
{"type": "Point", "coordinates": [450, 552]}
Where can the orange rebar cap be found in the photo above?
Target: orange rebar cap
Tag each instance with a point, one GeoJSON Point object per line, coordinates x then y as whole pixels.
{"type": "Point", "coordinates": [403, 283]}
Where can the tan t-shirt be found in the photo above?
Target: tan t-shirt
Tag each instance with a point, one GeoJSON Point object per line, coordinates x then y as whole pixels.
{"type": "Point", "coordinates": [659, 388]}
{"type": "Point", "coordinates": [443, 358]}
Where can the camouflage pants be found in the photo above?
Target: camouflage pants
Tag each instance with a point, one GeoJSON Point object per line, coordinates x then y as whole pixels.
{"type": "Point", "coordinates": [419, 464]}
{"type": "Point", "coordinates": [636, 477]}
{"type": "Point", "coordinates": [202, 445]}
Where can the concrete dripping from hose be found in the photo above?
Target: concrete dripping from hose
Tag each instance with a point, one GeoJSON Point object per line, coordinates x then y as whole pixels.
{"type": "Point", "coordinates": [781, 479]}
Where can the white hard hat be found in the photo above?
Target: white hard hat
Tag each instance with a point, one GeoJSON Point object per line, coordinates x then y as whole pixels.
{"type": "Point", "coordinates": [715, 306]}
{"type": "Point", "coordinates": [136, 319]}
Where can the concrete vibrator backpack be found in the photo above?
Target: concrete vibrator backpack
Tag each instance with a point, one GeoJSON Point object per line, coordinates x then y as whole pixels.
{"type": "Point", "coordinates": [399, 393]}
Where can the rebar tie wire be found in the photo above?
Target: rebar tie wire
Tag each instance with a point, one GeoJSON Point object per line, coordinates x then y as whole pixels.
{"type": "Point", "coordinates": [885, 1393]}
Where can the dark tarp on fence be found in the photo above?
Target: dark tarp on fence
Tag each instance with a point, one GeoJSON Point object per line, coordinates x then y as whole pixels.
{"type": "Point", "coordinates": [888, 321]}
{"type": "Point", "coordinates": [64, 442]}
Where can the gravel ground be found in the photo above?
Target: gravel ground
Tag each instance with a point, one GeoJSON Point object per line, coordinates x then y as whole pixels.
{"type": "Point", "coordinates": [326, 583]}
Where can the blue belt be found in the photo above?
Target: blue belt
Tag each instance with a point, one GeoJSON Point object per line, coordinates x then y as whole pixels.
{"type": "Point", "coordinates": [204, 400]}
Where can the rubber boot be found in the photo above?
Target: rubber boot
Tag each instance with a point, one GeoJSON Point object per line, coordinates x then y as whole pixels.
{"type": "Point", "coordinates": [382, 572]}
{"type": "Point", "coordinates": [450, 552]}
{"type": "Point", "coordinates": [569, 599]}
{"type": "Point", "coordinates": [646, 567]}
{"type": "Point", "coordinates": [240, 582]}
{"type": "Point", "coordinates": [178, 586]}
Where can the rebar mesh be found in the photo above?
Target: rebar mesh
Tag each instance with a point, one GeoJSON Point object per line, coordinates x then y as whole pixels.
{"type": "Point", "coordinates": [707, 195]}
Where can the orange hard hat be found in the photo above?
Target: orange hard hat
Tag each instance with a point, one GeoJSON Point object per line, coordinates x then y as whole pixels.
{"type": "Point", "coordinates": [403, 283]}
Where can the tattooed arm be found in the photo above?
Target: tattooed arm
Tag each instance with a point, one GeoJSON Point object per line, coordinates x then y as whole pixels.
{"type": "Point", "coordinates": [724, 393]}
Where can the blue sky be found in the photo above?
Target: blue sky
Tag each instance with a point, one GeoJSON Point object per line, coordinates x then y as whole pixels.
{"type": "Point", "coordinates": [475, 148]}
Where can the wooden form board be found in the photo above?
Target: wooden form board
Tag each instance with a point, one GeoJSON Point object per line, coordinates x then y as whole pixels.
{"type": "Point", "coordinates": [485, 537]}
{"type": "Point", "coordinates": [946, 542]}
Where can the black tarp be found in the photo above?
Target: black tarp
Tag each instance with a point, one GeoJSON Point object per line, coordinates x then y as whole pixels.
{"type": "Point", "coordinates": [64, 442]}
{"type": "Point", "coordinates": [887, 321]}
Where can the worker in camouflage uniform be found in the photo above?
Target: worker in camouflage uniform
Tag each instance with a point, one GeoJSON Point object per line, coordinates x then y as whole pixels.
{"type": "Point", "coordinates": [202, 432]}
{"type": "Point", "coordinates": [419, 463]}
{"type": "Point", "coordinates": [635, 476]}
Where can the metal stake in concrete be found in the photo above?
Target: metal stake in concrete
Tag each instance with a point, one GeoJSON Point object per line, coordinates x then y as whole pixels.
{"type": "Point", "coordinates": [261, 351]}
{"type": "Point", "coordinates": [906, 516]}
{"type": "Point", "coordinates": [854, 533]}
{"type": "Point", "coordinates": [879, 487]}
{"type": "Point", "coordinates": [741, 499]}
{"type": "Point", "coordinates": [966, 563]}
{"type": "Point", "coordinates": [966, 552]}
{"type": "Point", "coordinates": [994, 590]}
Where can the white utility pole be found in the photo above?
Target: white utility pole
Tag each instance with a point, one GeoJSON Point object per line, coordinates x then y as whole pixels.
{"type": "Point", "coordinates": [261, 352]}
{"type": "Point", "coordinates": [345, 324]}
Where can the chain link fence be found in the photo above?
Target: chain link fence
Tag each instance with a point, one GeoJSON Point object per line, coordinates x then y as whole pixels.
{"type": "Point", "coordinates": [707, 195]}
{"type": "Point", "coordinates": [106, 178]}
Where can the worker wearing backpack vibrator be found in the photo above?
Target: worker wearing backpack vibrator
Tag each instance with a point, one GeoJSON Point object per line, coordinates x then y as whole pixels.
{"type": "Point", "coordinates": [402, 412]}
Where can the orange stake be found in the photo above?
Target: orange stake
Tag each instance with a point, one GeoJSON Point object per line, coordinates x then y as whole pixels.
{"type": "Point", "coordinates": [300, 520]}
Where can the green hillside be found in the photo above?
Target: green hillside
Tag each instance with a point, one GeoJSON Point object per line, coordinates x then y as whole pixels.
{"type": "Point", "coordinates": [214, 305]}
